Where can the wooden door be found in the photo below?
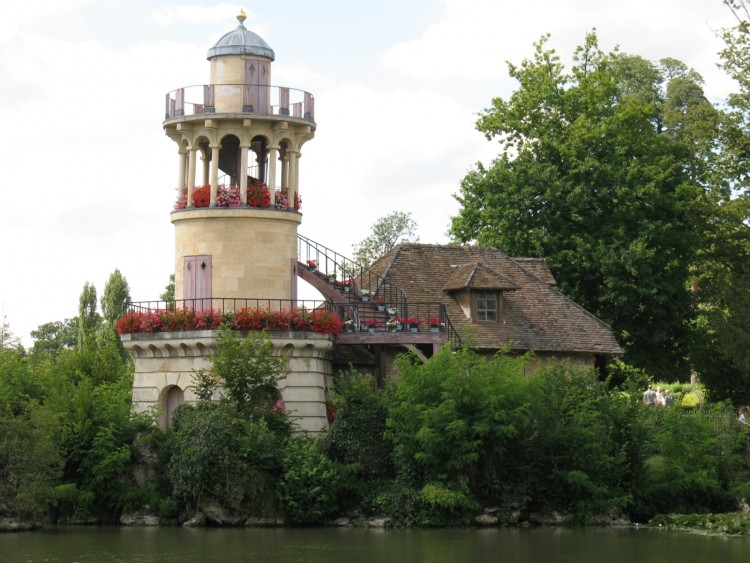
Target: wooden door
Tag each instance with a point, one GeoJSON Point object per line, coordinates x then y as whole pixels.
{"type": "Point", "coordinates": [197, 282]}
{"type": "Point", "coordinates": [256, 91]}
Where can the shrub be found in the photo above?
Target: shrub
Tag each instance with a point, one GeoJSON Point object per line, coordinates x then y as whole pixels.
{"type": "Point", "coordinates": [357, 435]}
{"type": "Point", "coordinates": [310, 484]}
{"type": "Point", "coordinates": [219, 454]}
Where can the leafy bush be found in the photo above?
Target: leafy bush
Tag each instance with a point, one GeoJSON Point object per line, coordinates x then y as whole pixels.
{"type": "Point", "coordinates": [690, 461]}
{"type": "Point", "coordinates": [453, 421]}
{"type": "Point", "coordinates": [220, 455]}
{"type": "Point", "coordinates": [30, 464]}
{"type": "Point", "coordinates": [310, 485]}
{"type": "Point", "coordinates": [357, 435]}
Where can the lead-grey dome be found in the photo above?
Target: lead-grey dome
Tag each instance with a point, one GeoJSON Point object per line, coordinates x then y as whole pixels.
{"type": "Point", "coordinates": [241, 41]}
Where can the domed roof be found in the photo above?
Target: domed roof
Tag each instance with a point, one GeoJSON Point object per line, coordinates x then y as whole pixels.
{"type": "Point", "coordinates": [241, 41]}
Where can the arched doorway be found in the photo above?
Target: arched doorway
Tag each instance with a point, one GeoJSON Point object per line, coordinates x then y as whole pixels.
{"type": "Point", "coordinates": [173, 399]}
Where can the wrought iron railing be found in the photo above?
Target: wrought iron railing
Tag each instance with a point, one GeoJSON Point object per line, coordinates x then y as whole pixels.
{"type": "Point", "coordinates": [366, 283]}
{"type": "Point", "coordinates": [334, 266]}
{"type": "Point", "coordinates": [233, 304]}
{"type": "Point", "coordinates": [422, 313]}
{"type": "Point", "coordinates": [360, 312]}
{"type": "Point", "coordinates": [256, 99]}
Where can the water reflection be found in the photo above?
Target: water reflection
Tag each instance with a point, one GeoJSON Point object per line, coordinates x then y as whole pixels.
{"type": "Point", "coordinates": [332, 545]}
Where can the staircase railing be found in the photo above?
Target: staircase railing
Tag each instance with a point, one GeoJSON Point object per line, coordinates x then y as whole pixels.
{"type": "Point", "coordinates": [380, 291]}
{"type": "Point", "coordinates": [330, 262]}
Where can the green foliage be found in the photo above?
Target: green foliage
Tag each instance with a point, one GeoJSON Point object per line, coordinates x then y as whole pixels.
{"type": "Point", "coordinates": [357, 436]}
{"type": "Point", "coordinates": [221, 455]}
{"type": "Point", "coordinates": [734, 523]}
{"type": "Point", "coordinates": [310, 485]}
{"type": "Point", "coordinates": [7, 338]}
{"type": "Point", "coordinates": [30, 464]}
{"type": "Point", "coordinates": [96, 436]}
{"type": "Point", "coordinates": [115, 297]}
{"type": "Point", "coordinates": [88, 319]}
{"type": "Point", "coordinates": [168, 295]}
{"type": "Point", "coordinates": [455, 419]}
{"type": "Point", "coordinates": [689, 462]}
{"type": "Point", "coordinates": [21, 381]}
{"type": "Point", "coordinates": [55, 336]}
{"type": "Point", "coordinates": [601, 173]}
{"type": "Point", "coordinates": [582, 449]}
{"type": "Point", "coordinates": [387, 232]}
{"type": "Point", "coordinates": [248, 370]}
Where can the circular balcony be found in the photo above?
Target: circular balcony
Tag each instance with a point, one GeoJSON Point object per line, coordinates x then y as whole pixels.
{"type": "Point", "coordinates": [239, 99]}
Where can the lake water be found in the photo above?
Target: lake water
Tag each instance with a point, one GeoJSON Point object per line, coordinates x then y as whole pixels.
{"type": "Point", "coordinates": [334, 545]}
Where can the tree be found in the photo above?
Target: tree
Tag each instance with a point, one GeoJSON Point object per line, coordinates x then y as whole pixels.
{"type": "Point", "coordinates": [88, 318]}
{"type": "Point", "coordinates": [227, 451]}
{"type": "Point", "coordinates": [721, 350]}
{"type": "Point", "coordinates": [7, 338]}
{"type": "Point", "coordinates": [387, 232]}
{"type": "Point", "coordinates": [599, 174]}
{"type": "Point", "coordinates": [247, 369]}
{"type": "Point", "coordinates": [116, 296]}
{"type": "Point", "coordinates": [55, 336]}
{"type": "Point", "coordinates": [168, 295]}
{"type": "Point", "coordinates": [736, 62]}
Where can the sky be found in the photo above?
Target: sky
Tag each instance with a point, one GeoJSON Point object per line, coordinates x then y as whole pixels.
{"type": "Point", "coordinates": [88, 176]}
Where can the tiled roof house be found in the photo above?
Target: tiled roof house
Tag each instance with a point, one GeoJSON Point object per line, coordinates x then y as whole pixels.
{"type": "Point", "coordinates": [495, 301]}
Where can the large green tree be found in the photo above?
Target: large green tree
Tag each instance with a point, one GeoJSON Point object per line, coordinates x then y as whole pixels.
{"type": "Point", "coordinates": [721, 352]}
{"type": "Point", "coordinates": [602, 172]}
{"type": "Point", "coordinates": [387, 232]}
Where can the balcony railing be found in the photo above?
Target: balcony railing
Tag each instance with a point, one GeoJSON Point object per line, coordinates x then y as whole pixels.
{"type": "Point", "coordinates": [253, 99]}
{"type": "Point", "coordinates": [224, 309]}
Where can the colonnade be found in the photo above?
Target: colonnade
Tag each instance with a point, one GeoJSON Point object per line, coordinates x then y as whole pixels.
{"type": "Point", "coordinates": [288, 179]}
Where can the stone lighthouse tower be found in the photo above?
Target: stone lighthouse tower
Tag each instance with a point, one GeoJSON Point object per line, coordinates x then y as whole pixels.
{"type": "Point", "coordinates": [238, 143]}
{"type": "Point", "coordinates": [239, 140]}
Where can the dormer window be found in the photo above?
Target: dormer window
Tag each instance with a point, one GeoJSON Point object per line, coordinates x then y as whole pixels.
{"type": "Point", "coordinates": [486, 306]}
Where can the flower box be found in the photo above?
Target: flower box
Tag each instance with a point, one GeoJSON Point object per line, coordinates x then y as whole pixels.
{"type": "Point", "coordinates": [435, 324]}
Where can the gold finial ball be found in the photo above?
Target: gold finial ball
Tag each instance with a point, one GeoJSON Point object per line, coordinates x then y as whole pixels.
{"type": "Point", "coordinates": [241, 16]}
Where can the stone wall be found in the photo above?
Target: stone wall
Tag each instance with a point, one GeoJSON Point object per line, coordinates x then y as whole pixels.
{"type": "Point", "coordinates": [166, 360]}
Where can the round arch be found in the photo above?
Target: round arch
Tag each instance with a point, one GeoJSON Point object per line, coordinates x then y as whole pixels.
{"type": "Point", "coordinates": [170, 398]}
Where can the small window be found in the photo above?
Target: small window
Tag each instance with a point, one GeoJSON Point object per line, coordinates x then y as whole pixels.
{"type": "Point", "coordinates": [486, 306]}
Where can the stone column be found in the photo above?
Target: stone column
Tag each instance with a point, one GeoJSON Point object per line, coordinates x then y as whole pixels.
{"type": "Point", "coordinates": [206, 164]}
{"type": "Point", "coordinates": [285, 170]}
{"type": "Point", "coordinates": [273, 155]}
{"type": "Point", "coordinates": [182, 170]}
{"type": "Point", "coordinates": [243, 173]}
{"type": "Point", "coordinates": [191, 175]}
{"type": "Point", "coordinates": [293, 174]}
{"type": "Point", "coordinates": [214, 173]}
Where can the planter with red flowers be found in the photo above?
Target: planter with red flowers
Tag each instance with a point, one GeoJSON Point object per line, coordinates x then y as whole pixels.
{"type": "Point", "coordinates": [435, 324]}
